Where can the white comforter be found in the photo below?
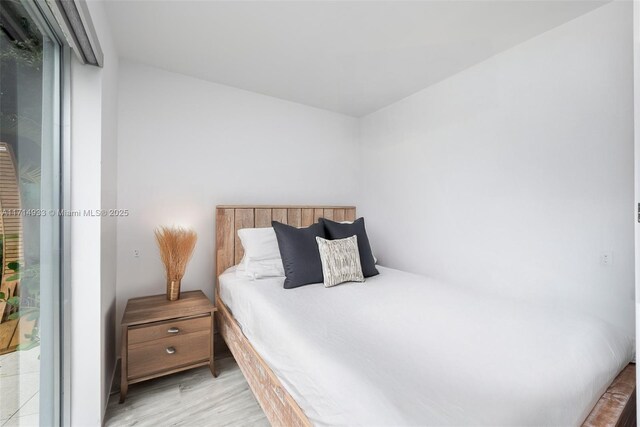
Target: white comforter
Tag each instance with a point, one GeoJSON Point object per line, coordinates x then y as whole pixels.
{"type": "Point", "coordinates": [402, 349]}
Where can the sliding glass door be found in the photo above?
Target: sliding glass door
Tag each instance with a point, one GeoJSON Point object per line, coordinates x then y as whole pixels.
{"type": "Point", "coordinates": [30, 256]}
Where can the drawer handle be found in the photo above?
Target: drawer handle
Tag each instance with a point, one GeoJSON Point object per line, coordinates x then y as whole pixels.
{"type": "Point", "coordinates": [171, 350]}
{"type": "Point", "coordinates": [173, 330]}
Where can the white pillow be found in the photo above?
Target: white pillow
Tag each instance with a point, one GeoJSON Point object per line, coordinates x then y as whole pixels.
{"type": "Point", "coordinates": [259, 243]}
{"type": "Point", "coordinates": [254, 269]}
{"type": "Point", "coordinates": [261, 254]}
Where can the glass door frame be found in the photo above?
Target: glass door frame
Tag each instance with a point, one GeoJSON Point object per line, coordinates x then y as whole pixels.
{"type": "Point", "coordinates": [61, 406]}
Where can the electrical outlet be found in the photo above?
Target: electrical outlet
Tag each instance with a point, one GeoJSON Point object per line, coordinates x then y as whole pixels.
{"type": "Point", "coordinates": [136, 253]}
{"type": "Point", "coordinates": [606, 258]}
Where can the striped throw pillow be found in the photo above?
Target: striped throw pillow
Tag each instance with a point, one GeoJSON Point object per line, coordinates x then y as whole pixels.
{"type": "Point", "coordinates": [340, 260]}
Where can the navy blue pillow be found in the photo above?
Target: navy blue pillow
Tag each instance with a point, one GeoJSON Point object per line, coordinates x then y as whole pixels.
{"type": "Point", "coordinates": [300, 254]}
{"type": "Point", "coordinates": [337, 230]}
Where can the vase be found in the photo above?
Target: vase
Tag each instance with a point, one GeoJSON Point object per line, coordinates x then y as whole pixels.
{"type": "Point", "coordinates": [173, 289]}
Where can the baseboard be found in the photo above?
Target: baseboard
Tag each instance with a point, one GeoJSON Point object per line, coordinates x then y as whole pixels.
{"type": "Point", "coordinates": [116, 369]}
{"type": "Point", "coordinates": [115, 381]}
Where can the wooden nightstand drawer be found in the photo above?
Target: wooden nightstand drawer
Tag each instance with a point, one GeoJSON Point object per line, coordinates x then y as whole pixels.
{"type": "Point", "coordinates": [167, 353]}
{"type": "Point", "coordinates": [169, 328]}
{"type": "Point", "coordinates": [161, 337]}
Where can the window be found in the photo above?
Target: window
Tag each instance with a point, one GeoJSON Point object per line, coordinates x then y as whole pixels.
{"type": "Point", "coordinates": [30, 226]}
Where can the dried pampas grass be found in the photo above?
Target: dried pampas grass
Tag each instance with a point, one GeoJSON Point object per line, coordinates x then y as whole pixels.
{"type": "Point", "coordinates": [176, 248]}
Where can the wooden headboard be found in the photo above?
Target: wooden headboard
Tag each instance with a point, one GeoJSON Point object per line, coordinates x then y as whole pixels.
{"type": "Point", "coordinates": [229, 219]}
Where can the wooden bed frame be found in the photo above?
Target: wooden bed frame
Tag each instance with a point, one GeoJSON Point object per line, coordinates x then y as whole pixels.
{"type": "Point", "coordinates": [616, 407]}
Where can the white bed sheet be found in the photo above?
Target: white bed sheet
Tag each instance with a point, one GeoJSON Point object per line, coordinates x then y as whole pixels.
{"type": "Point", "coordinates": [402, 349]}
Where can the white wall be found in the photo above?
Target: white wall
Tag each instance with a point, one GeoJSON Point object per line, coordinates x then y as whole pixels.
{"type": "Point", "coordinates": [108, 224]}
{"type": "Point", "coordinates": [93, 167]}
{"type": "Point", "coordinates": [515, 175]}
{"type": "Point", "coordinates": [185, 145]}
{"type": "Point", "coordinates": [86, 322]}
{"type": "Point", "coordinates": [636, 98]}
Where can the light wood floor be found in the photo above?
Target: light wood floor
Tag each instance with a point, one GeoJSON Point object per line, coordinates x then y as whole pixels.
{"type": "Point", "coordinates": [192, 398]}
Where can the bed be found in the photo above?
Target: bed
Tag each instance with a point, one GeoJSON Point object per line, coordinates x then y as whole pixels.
{"type": "Point", "coordinates": [473, 360]}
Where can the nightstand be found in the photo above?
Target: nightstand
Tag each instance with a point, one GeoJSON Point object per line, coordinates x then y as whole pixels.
{"type": "Point", "coordinates": [161, 337]}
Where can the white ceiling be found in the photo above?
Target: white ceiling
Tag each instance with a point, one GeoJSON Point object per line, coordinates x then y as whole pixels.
{"type": "Point", "coordinates": [352, 57]}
